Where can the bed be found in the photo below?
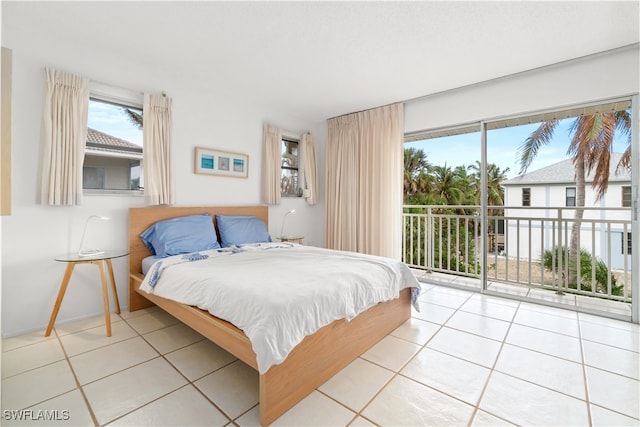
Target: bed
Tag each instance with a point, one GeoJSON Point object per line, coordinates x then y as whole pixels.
{"type": "Point", "coordinates": [312, 362]}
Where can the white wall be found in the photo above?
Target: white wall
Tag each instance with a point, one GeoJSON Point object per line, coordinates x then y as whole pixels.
{"type": "Point", "coordinates": [581, 81]}
{"type": "Point", "coordinates": [34, 234]}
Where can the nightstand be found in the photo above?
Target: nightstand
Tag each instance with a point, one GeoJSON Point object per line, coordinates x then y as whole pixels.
{"type": "Point", "coordinates": [103, 261]}
{"type": "Point", "coordinates": [292, 239]}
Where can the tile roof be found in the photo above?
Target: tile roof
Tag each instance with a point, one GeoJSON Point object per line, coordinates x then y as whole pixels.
{"type": "Point", "coordinates": [101, 141]}
{"type": "Point", "coordinates": [564, 172]}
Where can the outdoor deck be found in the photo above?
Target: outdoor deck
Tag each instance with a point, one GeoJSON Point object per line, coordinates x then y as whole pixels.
{"type": "Point", "coordinates": [597, 306]}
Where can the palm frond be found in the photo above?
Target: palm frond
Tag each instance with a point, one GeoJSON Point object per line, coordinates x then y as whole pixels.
{"type": "Point", "coordinates": [623, 124]}
{"type": "Point", "coordinates": [623, 127]}
{"type": "Point", "coordinates": [592, 143]}
{"type": "Point", "coordinates": [528, 150]}
{"type": "Point", "coordinates": [625, 161]}
{"type": "Point", "coordinates": [134, 117]}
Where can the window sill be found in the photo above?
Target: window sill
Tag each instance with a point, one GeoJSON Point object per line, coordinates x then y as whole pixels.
{"type": "Point", "coordinates": [97, 192]}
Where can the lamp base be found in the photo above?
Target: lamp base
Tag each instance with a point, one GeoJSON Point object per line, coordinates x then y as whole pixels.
{"type": "Point", "coordinates": [90, 252]}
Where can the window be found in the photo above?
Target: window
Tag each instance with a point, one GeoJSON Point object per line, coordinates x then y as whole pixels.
{"type": "Point", "coordinates": [626, 196]}
{"type": "Point", "coordinates": [93, 177]}
{"type": "Point", "coordinates": [526, 197]}
{"type": "Point", "coordinates": [113, 151]}
{"type": "Point", "coordinates": [290, 173]}
{"type": "Point", "coordinates": [627, 242]}
{"type": "Point", "coordinates": [570, 196]}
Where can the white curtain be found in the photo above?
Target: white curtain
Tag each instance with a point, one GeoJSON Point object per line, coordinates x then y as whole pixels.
{"type": "Point", "coordinates": [364, 181]}
{"type": "Point", "coordinates": [157, 162]}
{"type": "Point", "coordinates": [64, 135]}
{"type": "Point", "coordinates": [271, 167]}
{"type": "Point", "coordinates": [341, 192]}
{"type": "Point", "coordinates": [310, 168]}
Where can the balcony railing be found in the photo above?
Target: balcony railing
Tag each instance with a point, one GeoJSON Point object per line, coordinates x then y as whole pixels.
{"type": "Point", "coordinates": [528, 246]}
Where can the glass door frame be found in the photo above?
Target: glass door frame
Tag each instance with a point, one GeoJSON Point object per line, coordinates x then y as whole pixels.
{"type": "Point", "coordinates": [635, 200]}
{"type": "Point", "coordinates": [635, 186]}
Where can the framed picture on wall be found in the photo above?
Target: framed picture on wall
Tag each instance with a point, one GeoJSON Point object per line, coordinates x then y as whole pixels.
{"type": "Point", "coordinates": [209, 161]}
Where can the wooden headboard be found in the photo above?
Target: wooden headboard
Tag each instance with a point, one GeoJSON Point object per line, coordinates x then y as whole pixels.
{"type": "Point", "coordinates": [142, 218]}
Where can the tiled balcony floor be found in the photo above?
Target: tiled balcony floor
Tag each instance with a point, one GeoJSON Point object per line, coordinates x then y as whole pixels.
{"type": "Point", "coordinates": [599, 306]}
{"type": "Point", "coordinates": [464, 359]}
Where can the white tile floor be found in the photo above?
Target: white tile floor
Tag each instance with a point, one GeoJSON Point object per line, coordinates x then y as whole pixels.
{"type": "Point", "coordinates": [465, 359]}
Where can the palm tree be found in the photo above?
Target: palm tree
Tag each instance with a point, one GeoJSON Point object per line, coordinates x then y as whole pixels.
{"type": "Point", "coordinates": [466, 184]}
{"type": "Point", "coordinates": [447, 185]}
{"type": "Point", "coordinates": [495, 176]}
{"type": "Point", "coordinates": [590, 147]}
{"type": "Point", "coordinates": [495, 191]}
{"type": "Point", "coordinates": [416, 178]}
{"type": "Point", "coordinates": [592, 143]}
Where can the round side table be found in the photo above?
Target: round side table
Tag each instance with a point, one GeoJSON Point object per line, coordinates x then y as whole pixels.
{"type": "Point", "coordinates": [102, 259]}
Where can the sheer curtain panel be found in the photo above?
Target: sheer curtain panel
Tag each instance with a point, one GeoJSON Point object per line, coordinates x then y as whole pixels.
{"type": "Point", "coordinates": [342, 184]}
{"type": "Point", "coordinates": [271, 172]}
{"type": "Point", "coordinates": [364, 181]}
{"type": "Point", "coordinates": [310, 167]}
{"type": "Point", "coordinates": [157, 161]}
{"type": "Point", "coordinates": [64, 134]}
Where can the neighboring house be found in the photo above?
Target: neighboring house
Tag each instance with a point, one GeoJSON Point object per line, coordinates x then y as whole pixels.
{"type": "Point", "coordinates": [111, 163]}
{"type": "Point", "coordinates": [539, 197]}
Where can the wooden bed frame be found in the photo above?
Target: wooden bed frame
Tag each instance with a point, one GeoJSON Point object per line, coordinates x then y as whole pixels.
{"type": "Point", "coordinates": [316, 359]}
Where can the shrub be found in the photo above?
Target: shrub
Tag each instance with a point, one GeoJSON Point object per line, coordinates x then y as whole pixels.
{"type": "Point", "coordinates": [601, 270]}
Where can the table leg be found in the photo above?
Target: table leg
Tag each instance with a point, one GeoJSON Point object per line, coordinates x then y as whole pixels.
{"type": "Point", "coordinates": [63, 289]}
{"type": "Point", "coordinates": [105, 297]}
{"type": "Point", "coordinates": [113, 285]}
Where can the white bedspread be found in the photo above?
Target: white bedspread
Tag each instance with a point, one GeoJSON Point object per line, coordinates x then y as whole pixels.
{"type": "Point", "coordinates": [278, 293]}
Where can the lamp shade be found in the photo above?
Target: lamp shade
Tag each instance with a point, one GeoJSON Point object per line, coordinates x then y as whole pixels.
{"type": "Point", "coordinates": [89, 252]}
{"type": "Point", "coordinates": [283, 221]}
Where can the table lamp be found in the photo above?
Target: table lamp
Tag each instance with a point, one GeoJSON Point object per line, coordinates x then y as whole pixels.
{"type": "Point", "coordinates": [284, 219]}
{"type": "Point", "coordinates": [89, 252]}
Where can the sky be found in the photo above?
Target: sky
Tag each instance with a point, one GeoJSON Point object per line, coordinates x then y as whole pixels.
{"type": "Point", "coordinates": [502, 148]}
{"type": "Point", "coordinates": [111, 120]}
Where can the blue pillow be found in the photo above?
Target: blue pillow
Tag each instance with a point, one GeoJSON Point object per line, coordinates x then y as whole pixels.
{"type": "Point", "coordinates": [181, 235]}
{"type": "Point", "coordinates": [239, 229]}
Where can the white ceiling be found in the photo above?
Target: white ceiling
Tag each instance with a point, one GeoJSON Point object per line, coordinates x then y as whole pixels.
{"type": "Point", "coordinates": [316, 60]}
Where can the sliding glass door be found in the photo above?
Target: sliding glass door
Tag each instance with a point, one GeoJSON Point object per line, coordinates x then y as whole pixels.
{"type": "Point", "coordinates": [541, 207]}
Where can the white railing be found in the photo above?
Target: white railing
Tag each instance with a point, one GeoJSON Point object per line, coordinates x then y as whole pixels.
{"type": "Point", "coordinates": [525, 246]}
